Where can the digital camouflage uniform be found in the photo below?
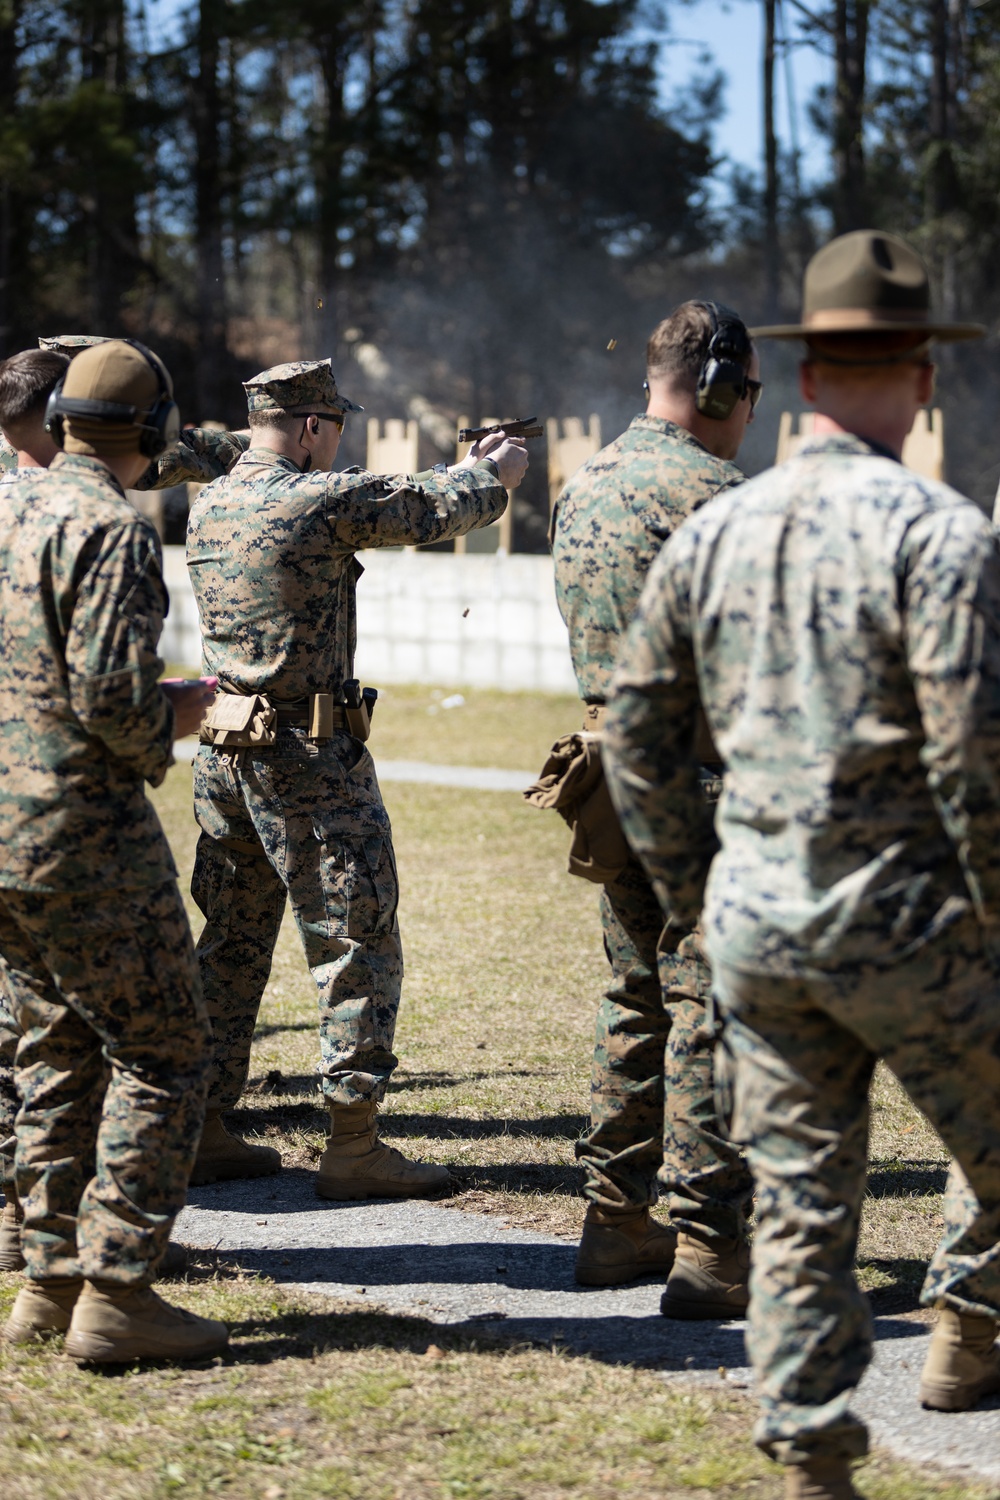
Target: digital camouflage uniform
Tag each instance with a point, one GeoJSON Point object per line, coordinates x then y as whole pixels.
{"type": "Point", "coordinates": [198, 456]}
{"type": "Point", "coordinates": [96, 953]}
{"type": "Point", "coordinates": [271, 552]}
{"type": "Point", "coordinates": [840, 618]}
{"type": "Point", "coordinates": [652, 1104]}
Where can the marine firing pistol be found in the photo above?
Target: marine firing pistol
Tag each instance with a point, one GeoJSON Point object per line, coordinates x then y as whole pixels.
{"type": "Point", "coordinates": [522, 427]}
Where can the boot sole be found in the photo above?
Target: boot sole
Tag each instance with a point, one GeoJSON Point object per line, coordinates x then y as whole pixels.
{"type": "Point", "coordinates": [947, 1398]}
{"type": "Point", "coordinates": [205, 1176]}
{"type": "Point", "coordinates": [686, 1310]}
{"type": "Point", "coordinates": [343, 1192]}
{"type": "Point", "coordinates": [617, 1275]}
{"type": "Point", "coordinates": [12, 1262]}
{"type": "Point", "coordinates": [98, 1349]}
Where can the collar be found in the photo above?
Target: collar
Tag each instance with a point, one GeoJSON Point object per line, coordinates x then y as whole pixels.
{"type": "Point", "coordinates": [848, 443]}
{"type": "Point", "coordinates": [75, 463]}
{"type": "Point", "coordinates": [645, 423]}
{"type": "Point", "coordinates": [267, 456]}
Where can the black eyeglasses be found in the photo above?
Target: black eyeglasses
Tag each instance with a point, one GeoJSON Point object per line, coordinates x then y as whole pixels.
{"type": "Point", "coordinates": [752, 388]}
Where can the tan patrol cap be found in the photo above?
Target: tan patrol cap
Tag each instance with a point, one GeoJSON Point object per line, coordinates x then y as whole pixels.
{"type": "Point", "coordinates": [70, 344]}
{"type": "Point", "coordinates": [867, 282]}
{"type": "Point", "coordinates": [116, 372]}
{"type": "Point", "coordinates": [296, 388]}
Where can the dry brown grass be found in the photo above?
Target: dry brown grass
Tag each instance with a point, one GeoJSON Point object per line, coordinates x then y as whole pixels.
{"type": "Point", "coordinates": [317, 1398]}
{"type": "Point", "coordinates": [504, 967]}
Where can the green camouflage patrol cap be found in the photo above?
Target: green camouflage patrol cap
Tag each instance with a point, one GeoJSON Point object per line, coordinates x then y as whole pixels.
{"type": "Point", "coordinates": [71, 343]}
{"type": "Point", "coordinates": [296, 388]}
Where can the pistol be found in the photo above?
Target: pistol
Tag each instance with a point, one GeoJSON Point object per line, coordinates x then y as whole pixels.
{"type": "Point", "coordinates": [522, 427]}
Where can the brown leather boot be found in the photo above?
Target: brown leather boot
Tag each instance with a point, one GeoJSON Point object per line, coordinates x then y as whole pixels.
{"type": "Point", "coordinates": [820, 1479]}
{"type": "Point", "coordinates": [621, 1245]}
{"type": "Point", "coordinates": [356, 1164]}
{"type": "Point", "coordinates": [963, 1362]}
{"type": "Point", "coordinates": [223, 1157]}
{"type": "Point", "coordinates": [709, 1279]}
{"type": "Point", "coordinates": [115, 1324]}
{"type": "Point", "coordinates": [11, 1258]}
{"type": "Point", "coordinates": [41, 1309]}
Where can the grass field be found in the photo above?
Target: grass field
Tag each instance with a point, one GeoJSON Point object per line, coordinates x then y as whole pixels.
{"type": "Point", "coordinates": [504, 964]}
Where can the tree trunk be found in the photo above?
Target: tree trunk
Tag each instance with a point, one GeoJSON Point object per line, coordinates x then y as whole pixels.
{"type": "Point", "coordinates": [111, 203]}
{"type": "Point", "coordinates": [11, 202]}
{"type": "Point", "coordinates": [772, 247]}
{"type": "Point", "coordinates": [212, 366]}
{"type": "Point", "coordinates": [331, 50]}
{"type": "Point", "coordinates": [851, 46]}
{"type": "Point", "coordinates": [941, 190]}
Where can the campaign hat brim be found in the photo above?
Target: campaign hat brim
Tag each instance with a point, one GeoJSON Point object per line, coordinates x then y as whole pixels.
{"type": "Point", "coordinates": [864, 320]}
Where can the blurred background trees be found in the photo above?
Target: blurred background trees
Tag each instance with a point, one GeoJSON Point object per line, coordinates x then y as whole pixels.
{"type": "Point", "coordinates": [465, 202]}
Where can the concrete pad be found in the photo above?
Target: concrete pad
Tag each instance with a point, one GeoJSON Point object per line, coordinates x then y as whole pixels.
{"type": "Point", "coordinates": [427, 1260]}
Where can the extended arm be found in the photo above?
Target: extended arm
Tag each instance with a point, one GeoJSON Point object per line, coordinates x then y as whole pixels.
{"type": "Point", "coordinates": [649, 744]}
{"type": "Point", "coordinates": [199, 456]}
{"type": "Point", "coordinates": [370, 510]}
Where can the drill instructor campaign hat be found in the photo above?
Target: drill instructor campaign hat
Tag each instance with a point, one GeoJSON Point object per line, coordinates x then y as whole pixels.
{"type": "Point", "coordinates": [297, 388]}
{"type": "Point", "coordinates": [70, 344]}
{"type": "Point", "coordinates": [867, 282]}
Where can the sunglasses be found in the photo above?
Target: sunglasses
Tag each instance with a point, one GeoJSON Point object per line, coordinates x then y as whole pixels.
{"type": "Point", "coordinates": [325, 416]}
{"type": "Point", "coordinates": [753, 389]}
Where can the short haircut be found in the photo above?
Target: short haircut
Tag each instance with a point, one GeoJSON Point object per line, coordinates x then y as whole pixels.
{"type": "Point", "coordinates": [27, 380]}
{"type": "Point", "coordinates": [677, 347]}
{"type": "Point", "coordinates": [281, 420]}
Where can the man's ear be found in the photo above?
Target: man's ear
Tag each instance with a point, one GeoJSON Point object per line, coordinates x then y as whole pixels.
{"type": "Point", "coordinates": [807, 381]}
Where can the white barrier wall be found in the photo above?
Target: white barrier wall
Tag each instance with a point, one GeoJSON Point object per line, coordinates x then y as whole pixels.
{"type": "Point", "coordinates": [474, 621]}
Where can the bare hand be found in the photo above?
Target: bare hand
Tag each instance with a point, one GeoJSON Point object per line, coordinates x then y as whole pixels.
{"type": "Point", "coordinates": [509, 454]}
{"type": "Point", "coordinates": [191, 701]}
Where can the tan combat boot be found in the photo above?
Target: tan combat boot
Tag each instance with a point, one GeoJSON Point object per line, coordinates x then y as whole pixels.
{"type": "Point", "coordinates": [621, 1245]}
{"type": "Point", "coordinates": [820, 1479]}
{"type": "Point", "coordinates": [114, 1325]}
{"type": "Point", "coordinates": [963, 1362]}
{"type": "Point", "coordinates": [11, 1258]}
{"type": "Point", "coordinates": [174, 1261]}
{"type": "Point", "coordinates": [41, 1309]}
{"type": "Point", "coordinates": [356, 1164]}
{"type": "Point", "coordinates": [223, 1157]}
{"type": "Point", "coordinates": [709, 1279]}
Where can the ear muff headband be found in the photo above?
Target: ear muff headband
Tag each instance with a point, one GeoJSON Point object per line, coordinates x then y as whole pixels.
{"type": "Point", "coordinates": [722, 381]}
{"type": "Point", "coordinates": [159, 430]}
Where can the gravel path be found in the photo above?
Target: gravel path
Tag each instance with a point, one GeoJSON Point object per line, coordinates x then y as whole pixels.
{"type": "Point", "coordinates": [435, 1262]}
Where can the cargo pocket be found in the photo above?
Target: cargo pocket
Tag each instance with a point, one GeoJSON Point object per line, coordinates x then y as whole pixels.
{"type": "Point", "coordinates": [359, 886]}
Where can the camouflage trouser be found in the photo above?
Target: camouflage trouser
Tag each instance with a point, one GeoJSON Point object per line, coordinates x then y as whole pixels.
{"type": "Point", "coordinates": [110, 1069]}
{"type": "Point", "coordinates": [307, 821]}
{"type": "Point", "coordinates": [652, 1103]}
{"type": "Point", "coordinates": [804, 1054]}
{"type": "Point", "coordinates": [8, 1093]}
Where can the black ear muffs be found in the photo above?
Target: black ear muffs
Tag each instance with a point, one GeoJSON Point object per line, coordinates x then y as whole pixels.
{"type": "Point", "coordinates": [159, 430]}
{"type": "Point", "coordinates": [722, 381]}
